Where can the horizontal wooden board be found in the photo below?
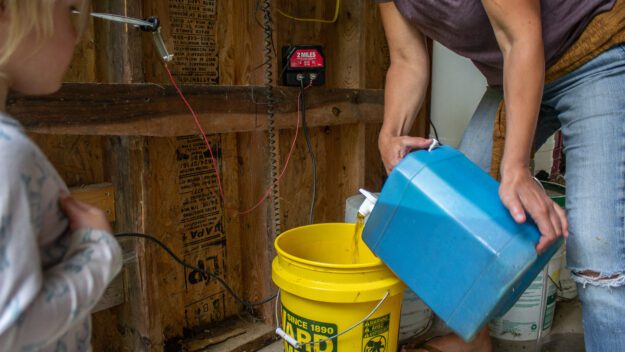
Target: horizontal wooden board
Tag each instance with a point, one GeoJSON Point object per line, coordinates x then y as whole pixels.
{"type": "Point", "coordinates": [152, 110]}
{"type": "Point", "coordinates": [101, 196]}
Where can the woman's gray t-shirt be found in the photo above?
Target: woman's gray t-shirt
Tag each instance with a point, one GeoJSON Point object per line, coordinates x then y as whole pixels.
{"type": "Point", "coordinates": [463, 27]}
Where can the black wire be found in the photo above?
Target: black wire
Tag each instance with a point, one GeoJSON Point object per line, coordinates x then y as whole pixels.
{"type": "Point", "coordinates": [313, 197]}
{"type": "Point", "coordinates": [434, 128]}
{"type": "Point", "coordinates": [559, 289]}
{"type": "Point", "coordinates": [288, 53]}
{"type": "Point", "coordinates": [247, 304]}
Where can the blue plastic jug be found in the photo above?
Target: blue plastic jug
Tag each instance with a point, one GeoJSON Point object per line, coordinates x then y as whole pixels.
{"type": "Point", "coordinates": [440, 226]}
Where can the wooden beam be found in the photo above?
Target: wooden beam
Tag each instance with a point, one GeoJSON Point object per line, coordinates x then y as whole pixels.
{"type": "Point", "coordinates": [152, 110]}
{"type": "Point", "coordinates": [126, 167]}
{"type": "Point", "coordinates": [257, 244]}
{"type": "Point", "coordinates": [119, 54]}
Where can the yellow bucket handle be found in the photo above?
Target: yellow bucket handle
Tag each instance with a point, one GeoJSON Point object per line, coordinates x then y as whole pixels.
{"type": "Point", "coordinates": [296, 344]}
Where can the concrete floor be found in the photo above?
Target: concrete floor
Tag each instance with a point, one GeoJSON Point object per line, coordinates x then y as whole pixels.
{"type": "Point", "coordinates": [274, 347]}
{"type": "Point", "coordinates": [566, 334]}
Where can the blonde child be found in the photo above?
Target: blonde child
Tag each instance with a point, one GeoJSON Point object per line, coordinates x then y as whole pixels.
{"type": "Point", "coordinates": [56, 254]}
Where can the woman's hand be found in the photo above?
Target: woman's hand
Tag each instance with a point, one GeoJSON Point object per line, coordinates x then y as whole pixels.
{"type": "Point", "coordinates": [82, 215]}
{"type": "Point", "coordinates": [395, 148]}
{"type": "Point", "coordinates": [520, 192]}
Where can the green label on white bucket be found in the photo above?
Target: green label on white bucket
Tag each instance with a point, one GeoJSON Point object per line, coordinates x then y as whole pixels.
{"type": "Point", "coordinates": [375, 334]}
{"type": "Point", "coordinates": [306, 330]}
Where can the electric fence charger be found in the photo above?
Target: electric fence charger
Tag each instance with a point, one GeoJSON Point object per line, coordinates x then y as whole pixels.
{"type": "Point", "coordinates": [303, 63]}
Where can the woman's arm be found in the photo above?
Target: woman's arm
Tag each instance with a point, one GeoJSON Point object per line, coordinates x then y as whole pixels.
{"type": "Point", "coordinates": [406, 85]}
{"type": "Point", "coordinates": [518, 29]}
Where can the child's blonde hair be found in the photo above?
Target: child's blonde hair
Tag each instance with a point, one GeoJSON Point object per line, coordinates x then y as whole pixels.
{"type": "Point", "coordinates": [31, 15]}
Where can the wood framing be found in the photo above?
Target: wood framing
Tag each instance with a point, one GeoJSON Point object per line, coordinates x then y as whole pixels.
{"type": "Point", "coordinates": [118, 121]}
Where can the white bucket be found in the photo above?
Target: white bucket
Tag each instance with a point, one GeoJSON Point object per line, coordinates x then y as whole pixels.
{"type": "Point", "coordinates": [568, 288]}
{"type": "Point", "coordinates": [416, 316]}
{"type": "Point", "coordinates": [351, 207]}
{"type": "Point", "coordinates": [523, 321]}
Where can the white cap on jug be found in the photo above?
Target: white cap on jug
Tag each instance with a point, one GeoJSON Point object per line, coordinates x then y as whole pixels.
{"type": "Point", "coordinates": [435, 144]}
{"type": "Point", "coordinates": [367, 206]}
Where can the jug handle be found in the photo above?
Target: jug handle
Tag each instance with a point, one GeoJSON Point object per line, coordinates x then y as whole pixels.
{"type": "Point", "coordinates": [435, 144]}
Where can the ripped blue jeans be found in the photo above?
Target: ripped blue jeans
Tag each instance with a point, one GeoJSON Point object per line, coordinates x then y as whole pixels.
{"type": "Point", "coordinates": [589, 106]}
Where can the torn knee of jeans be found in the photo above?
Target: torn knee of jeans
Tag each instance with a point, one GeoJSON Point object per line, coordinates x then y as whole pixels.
{"type": "Point", "coordinates": [601, 279]}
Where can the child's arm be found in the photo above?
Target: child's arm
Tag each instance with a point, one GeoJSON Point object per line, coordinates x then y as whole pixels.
{"type": "Point", "coordinates": [70, 289]}
{"type": "Point", "coordinates": [46, 304]}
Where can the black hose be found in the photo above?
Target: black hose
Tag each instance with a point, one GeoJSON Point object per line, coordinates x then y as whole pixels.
{"type": "Point", "coordinates": [206, 274]}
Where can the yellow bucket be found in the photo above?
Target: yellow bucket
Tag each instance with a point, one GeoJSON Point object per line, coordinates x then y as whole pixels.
{"type": "Point", "coordinates": [325, 291]}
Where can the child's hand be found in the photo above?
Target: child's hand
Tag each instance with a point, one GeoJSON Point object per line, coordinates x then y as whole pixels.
{"type": "Point", "coordinates": [82, 215]}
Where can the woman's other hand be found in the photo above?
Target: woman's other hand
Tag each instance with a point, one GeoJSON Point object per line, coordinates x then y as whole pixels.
{"type": "Point", "coordinates": [520, 193]}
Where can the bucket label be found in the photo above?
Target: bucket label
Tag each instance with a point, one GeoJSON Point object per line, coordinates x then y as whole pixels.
{"type": "Point", "coordinates": [550, 309]}
{"type": "Point", "coordinates": [306, 330]}
{"type": "Point", "coordinates": [521, 322]}
{"type": "Point", "coordinates": [375, 334]}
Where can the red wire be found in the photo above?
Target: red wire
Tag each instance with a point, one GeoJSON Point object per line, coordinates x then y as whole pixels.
{"type": "Point", "coordinates": [286, 163]}
{"type": "Point", "coordinates": [199, 126]}
{"type": "Point", "coordinates": [197, 123]}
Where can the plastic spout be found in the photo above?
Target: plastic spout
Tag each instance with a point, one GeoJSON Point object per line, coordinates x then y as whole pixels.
{"type": "Point", "coordinates": [367, 206]}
